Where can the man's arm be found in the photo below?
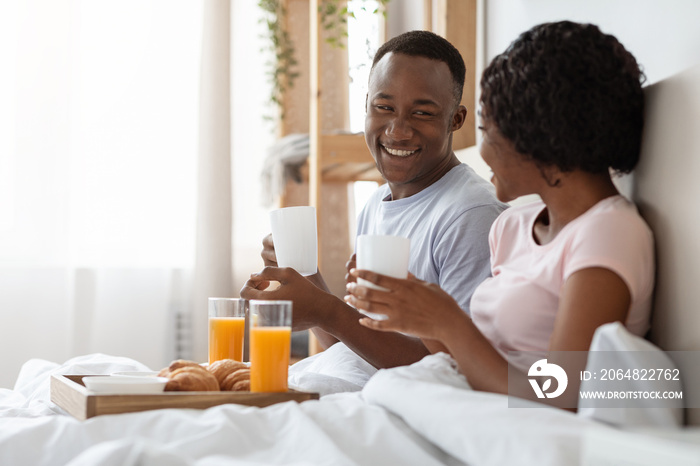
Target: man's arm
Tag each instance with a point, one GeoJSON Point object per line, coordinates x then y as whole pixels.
{"type": "Point", "coordinates": [435, 346]}
{"type": "Point", "coordinates": [382, 350]}
{"type": "Point", "coordinates": [314, 307]}
{"type": "Point", "coordinates": [270, 260]}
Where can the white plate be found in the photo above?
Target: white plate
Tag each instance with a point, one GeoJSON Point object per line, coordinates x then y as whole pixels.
{"type": "Point", "coordinates": [135, 374]}
{"type": "Point", "coordinates": [125, 385]}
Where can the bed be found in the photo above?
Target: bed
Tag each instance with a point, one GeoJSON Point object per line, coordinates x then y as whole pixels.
{"type": "Point", "coordinates": [424, 414]}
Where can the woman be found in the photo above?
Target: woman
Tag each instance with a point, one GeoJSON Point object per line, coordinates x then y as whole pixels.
{"type": "Point", "coordinates": [560, 109]}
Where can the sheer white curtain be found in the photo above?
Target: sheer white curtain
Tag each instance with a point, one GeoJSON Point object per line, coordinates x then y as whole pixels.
{"type": "Point", "coordinates": [234, 137]}
{"type": "Point", "coordinates": [213, 267]}
{"type": "Point", "coordinates": [98, 175]}
{"type": "Point", "coordinates": [121, 204]}
{"type": "Point", "coordinates": [252, 135]}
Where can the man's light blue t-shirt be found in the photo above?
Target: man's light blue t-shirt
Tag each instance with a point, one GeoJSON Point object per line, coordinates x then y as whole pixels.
{"type": "Point", "coordinates": [448, 224]}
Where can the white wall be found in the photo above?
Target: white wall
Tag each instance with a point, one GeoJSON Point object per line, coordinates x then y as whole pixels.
{"type": "Point", "coordinates": [663, 35]}
{"type": "Point", "coordinates": [403, 16]}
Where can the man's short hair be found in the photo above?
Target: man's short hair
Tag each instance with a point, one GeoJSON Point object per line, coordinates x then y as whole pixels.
{"type": "Point", "coordinates": [429, 45]}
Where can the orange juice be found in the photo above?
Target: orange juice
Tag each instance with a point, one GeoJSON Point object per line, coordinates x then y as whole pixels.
{"type": "Point", "coordinates": [269, 358]}
{"type": "Point", "coordinates": [226, 338]}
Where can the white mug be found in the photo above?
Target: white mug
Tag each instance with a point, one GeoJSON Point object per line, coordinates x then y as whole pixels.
{"type": "Point", "coordinates": [295, 237]}
{"type": "Point", "coordinates": [384, 254]}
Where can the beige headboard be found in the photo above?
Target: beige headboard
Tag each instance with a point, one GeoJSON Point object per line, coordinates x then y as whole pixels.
{"type": "Point", "coordinates": [666, 187]}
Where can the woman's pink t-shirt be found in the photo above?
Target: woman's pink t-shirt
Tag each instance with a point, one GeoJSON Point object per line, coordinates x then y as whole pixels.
{"type": "Point", "coordinates": [515, 309]}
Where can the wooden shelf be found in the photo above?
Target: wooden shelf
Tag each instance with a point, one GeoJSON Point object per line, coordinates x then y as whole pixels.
{"type": "Point", "coordinates": [344, 158]}
{"type": "Point", "coordinates": [337, 159]}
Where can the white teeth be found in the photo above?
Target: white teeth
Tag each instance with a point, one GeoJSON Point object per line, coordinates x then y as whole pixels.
{"type": "Point", "coordinates": [399, 153]}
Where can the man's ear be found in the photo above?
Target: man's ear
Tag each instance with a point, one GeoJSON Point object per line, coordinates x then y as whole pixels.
{"type": "Point", "coordinates": [366, 100]}
{"type": "Point", "coordinates": [459, 118]}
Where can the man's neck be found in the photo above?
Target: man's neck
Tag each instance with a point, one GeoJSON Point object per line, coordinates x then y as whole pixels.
{"type": "Point", "coordinates": [401, 191]}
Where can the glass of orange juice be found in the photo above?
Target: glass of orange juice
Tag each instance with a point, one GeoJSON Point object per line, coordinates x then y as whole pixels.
{"type": "Point", "coordinates": [270, 345]}
{"type": "Point", "coordinates": [226, 328]}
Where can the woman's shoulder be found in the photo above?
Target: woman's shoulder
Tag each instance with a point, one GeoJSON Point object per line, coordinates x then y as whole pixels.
{"type": "Point", "coordinates": [613, 235]}
{"type": "Point", "coordinates": [612, 229]}
{"type": "Point", "coordinates": [615, 214]}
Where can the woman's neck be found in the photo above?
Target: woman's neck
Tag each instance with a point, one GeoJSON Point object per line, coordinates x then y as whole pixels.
{"type": "Point", "coordinates": [574, 195]}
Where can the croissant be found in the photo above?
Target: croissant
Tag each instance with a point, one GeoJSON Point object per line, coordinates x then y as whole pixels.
{"type": "Point", "coordinates": [220, 369]}
{"type": "Point", "coordinates": [237, 381]}
{"type": "Point", "coordinates": [192, 378]}
{"type": "Point", "coordinates": [225, 374]}
{"type": "Point", "coordinates": [175, 365]}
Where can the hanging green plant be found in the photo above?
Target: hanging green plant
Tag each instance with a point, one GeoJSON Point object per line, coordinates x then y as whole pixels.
{"type": "Point", "coordinates": [282, 68]}
{"type": "Point", "coordinates": [335, 14]}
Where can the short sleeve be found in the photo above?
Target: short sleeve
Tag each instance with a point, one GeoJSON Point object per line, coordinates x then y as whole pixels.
{"type": "Point", "coordinates": [618, 240]}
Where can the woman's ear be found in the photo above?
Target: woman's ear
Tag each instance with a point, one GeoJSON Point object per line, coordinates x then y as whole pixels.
{"type": "Point", "coordinates": [459, 118]}
{"type": "Point", "coordinates": [551, 174]}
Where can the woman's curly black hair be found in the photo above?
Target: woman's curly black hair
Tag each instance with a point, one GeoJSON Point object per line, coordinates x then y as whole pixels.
{"type": "Point", "coordinates": [568, 96]}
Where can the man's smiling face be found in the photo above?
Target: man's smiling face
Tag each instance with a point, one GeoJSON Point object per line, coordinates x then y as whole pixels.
{"type": "Point", "coordinates": [411, 114]}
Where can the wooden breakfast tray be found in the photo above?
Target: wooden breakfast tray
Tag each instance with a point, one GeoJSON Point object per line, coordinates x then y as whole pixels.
{"type": "Point", "coordinates": [68, 392]}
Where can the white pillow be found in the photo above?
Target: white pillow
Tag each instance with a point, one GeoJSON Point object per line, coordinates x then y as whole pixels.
{"type": "Point", "coordinates": [614, 347]}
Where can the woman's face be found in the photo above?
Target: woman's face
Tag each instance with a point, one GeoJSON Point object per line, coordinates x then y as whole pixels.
{"type": "Point", "coordinates": [514, 174]}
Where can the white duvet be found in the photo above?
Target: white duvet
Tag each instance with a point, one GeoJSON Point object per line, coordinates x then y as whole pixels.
{"type": "Point", "coordinates": [424, 414]}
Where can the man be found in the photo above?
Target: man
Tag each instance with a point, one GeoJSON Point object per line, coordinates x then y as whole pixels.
{"type": "Point", "coordinates": [413, 107]}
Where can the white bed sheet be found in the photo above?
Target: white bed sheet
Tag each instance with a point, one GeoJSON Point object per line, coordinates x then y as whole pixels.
{"type": "Point", "coordinates": [423, 414]}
